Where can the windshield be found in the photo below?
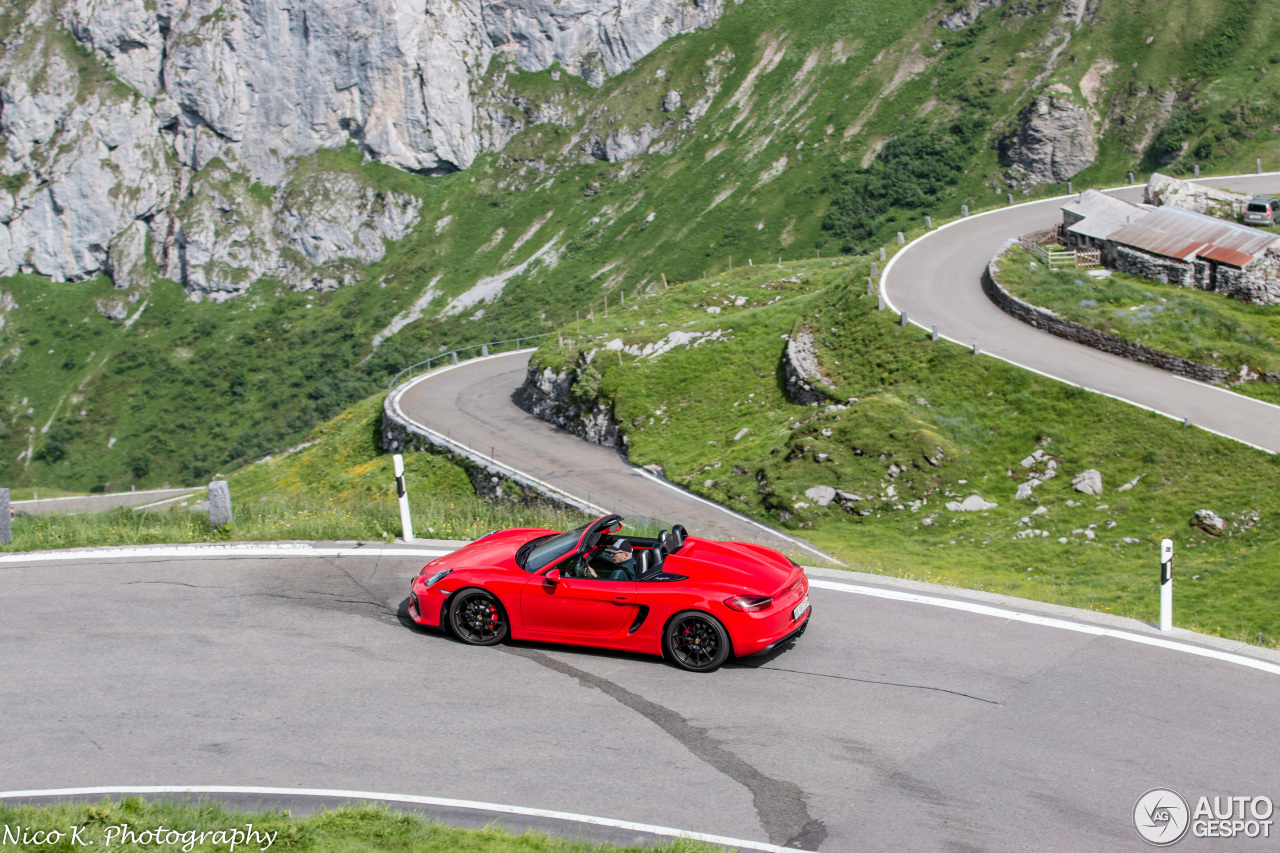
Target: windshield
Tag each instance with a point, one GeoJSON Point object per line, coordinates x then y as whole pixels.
{"type": "Point", "coordinates": [547, 551]}
{"type": "Point", "coordinates": [640, 526]}
{"type": "Point", "coordinates": [1257, 207]}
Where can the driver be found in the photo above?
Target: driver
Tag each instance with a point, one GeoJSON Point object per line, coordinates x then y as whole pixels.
{"type": "Point", "coordinates": [618, 555]}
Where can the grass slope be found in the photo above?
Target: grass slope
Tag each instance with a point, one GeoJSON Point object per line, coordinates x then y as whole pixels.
{"type": "Point", "coordinates": [931, 424]}
{"type": "Point", "coordinates": [1205, 327]}
{"type": "Point", "coordinates": [349, 829]}
{"type": "Point", "coordinates": [788, 118]}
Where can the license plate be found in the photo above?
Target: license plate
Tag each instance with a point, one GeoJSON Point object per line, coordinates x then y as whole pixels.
{"type": "Point", "coordinates": [800, 609]}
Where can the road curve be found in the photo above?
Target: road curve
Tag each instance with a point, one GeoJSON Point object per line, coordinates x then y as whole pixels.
{"type": "Point", "coordinates": [936, 280]}
{"type": "Point", "coordinates": [889, 726]}
{"type": "Point", "coordinates": [150, 499]}
{"type": "Point", "coordinates": [472, 404]}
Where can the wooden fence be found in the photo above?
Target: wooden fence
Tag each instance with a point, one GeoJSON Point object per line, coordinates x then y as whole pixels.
{"type": "Point", "coordinates": [1046, 246]}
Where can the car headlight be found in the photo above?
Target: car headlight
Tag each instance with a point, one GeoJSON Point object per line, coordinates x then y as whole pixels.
{"type": "Point", "coordinates": [437, 577]}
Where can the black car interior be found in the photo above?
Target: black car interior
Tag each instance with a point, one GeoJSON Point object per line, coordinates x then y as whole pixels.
{"type": "Point", "coordinates": [646, 563]}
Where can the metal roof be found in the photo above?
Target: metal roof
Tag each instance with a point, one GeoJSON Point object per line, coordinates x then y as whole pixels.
{"type": "Point", "coordinates": [1103, 214]}
{"type": "Point", "coordinates": [1176, 233]}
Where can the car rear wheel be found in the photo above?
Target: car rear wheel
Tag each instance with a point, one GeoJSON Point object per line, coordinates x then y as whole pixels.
{"type": "Point", "coordinates": [696, 642]}
{"type": "Point", "coordinates": [477, 618]}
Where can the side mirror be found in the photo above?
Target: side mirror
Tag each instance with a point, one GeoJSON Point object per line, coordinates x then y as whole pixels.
{"type": "Point", "coordinates": [552, 576]}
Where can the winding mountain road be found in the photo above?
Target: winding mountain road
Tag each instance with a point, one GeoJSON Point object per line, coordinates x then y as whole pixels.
{"type": "Point", "coordinates": [909, 717]}
{"type": "Point", "coordinates": [936, 280]}
{"type": "Point", "coordinates": [471, 404]}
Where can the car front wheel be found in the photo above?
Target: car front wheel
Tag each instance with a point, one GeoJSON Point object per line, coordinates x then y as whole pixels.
{"type": "Point", "coordinates": [477, 618]}
{"type": "Point", "coordinates": [696, 641]}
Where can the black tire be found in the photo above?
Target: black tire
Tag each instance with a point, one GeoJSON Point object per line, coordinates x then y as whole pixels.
{"type": "Point", "coordinates": [696, 641]}
{"type": "Point", "coordinates": [477, 618]}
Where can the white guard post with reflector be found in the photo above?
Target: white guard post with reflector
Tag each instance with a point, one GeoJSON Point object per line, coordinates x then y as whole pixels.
{"type": "Point", "coordinates": [1166, 585]}
{"type": "Point", "coordinates": [406, 523]}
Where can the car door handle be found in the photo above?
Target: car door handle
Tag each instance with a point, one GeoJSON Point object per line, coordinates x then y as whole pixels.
{"type": "Point", "coordinates": [623, 599]}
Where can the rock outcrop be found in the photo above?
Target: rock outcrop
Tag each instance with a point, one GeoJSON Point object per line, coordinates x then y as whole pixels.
{"type": "Point", "coordinates": [802, 371]}
{"type": "Point", "coordinates": [964, 17]}
{"type": "Point", "coordinates": [1208, 521]}
{"type": "Point", "coordinates": [1055, 139]}
{"type": "Point", "coordinates": [113, 111]}
{"type": "Point", "coordinates": [1088, 482]}
{"type": "Point", "coordinates": [568, 400]}
{"type": "Point", "coordinates": [1224, 204]}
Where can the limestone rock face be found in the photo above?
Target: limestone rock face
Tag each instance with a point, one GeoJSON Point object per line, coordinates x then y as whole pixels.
{"type": "Point", "coordinates": [1055, 139]}
{"type": "Point", "coordinates": [112, 112]}
{"type": "Point", "coordinates": [80, 166]}
{"type": "Point", "coordinates": [314, 234]}
{"type": "Point", "coordinates": [964, 17]}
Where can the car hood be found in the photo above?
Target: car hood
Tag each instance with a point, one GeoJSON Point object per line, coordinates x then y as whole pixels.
{"type": "Point", "coordinates": [496, 549]}
{"type": "Point", "coordinates": [750, 567]}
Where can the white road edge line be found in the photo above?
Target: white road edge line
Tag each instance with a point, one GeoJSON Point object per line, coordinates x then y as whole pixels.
{"type": "Point", "coordinates": [204, 551]}
{"type": "Point", "coordinates": [888, 301]}
{"type": "Point", "coordinates": [101, 495]}
{"type": "Point", "coordinates": [167, 500]}
{"type": "Point", "coordinates": [1048, 622]}
{"type": "Point", "coordinates": [499, 808]}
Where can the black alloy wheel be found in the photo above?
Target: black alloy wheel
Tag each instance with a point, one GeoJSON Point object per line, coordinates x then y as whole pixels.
{"type": "Point", "coordinates": [697, 642]}
{"type": "Point", "coordinates": [477, 618]}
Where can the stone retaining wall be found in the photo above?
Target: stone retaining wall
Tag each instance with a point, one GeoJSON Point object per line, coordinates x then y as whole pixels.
{"type": "Point", "coordinates": [1042, 318]}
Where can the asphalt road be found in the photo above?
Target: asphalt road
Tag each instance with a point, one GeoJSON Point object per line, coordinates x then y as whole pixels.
{"type": "Point", "coordinates": [473, 403]}
{"type": "Point", "coordinates": [937, 281]}
{"type": "Point", "coordinates": [889, 726]}
{"type": "Point", "coordinates": [102, 503]}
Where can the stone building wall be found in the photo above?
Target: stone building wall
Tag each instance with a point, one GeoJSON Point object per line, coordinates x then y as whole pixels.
{"type": "Point", "coordinates": [1258, 283]}
{"type": "Point", "coordinates": [1164, 270]}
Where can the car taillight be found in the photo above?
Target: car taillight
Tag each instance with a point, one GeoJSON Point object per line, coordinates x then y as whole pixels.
{"type": "Point", "coordinates": [748, 603]}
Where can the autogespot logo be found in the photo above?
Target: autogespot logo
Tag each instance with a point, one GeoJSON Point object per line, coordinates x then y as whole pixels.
{"type": "Point", "coordinates": [1161, 817]}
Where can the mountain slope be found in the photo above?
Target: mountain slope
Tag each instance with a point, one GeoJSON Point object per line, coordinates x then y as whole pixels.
{"type": "Point", "coordinates": [782, 129]}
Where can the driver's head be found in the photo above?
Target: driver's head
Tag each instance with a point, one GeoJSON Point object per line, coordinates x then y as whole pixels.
{"type": "Point", "coordinates": [622, 551]}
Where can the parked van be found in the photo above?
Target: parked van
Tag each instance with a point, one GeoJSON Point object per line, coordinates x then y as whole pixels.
{"type": "Point", "coordinates": [1262, 210]}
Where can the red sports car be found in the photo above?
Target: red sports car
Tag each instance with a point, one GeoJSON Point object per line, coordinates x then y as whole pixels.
{"type": "Point", "coordinates": [612, 584]}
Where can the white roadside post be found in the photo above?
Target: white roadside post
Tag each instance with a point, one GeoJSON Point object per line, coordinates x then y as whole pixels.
{"type": "Point", "coordinates": [406, 523]}
{"type": "Point", "coordinates": [1166, 585]}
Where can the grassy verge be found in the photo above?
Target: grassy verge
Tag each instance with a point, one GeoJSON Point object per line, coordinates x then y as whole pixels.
{"type": "Point", "coordinates": [194, 826]}
{"type": "Point", "coordinates": [1205, 327]}
{"type": "Point", "coordinates": [714, 414]}
{"type": "Point", "coordinates": [339, 486]}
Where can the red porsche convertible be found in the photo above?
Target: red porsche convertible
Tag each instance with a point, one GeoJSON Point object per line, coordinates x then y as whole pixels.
{"type": "Point", "coordinates": [611, 584]}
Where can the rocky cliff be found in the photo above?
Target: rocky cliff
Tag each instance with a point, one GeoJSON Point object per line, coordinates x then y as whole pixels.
{"type": "Point", "coordinates": [1054, 141]}
{"type": "Point", "coordinates": [189, 116]}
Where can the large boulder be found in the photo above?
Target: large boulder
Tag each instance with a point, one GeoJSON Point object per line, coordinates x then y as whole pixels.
{"type": "Point", "coordinates": [1054, 141]}
{"type": "Point", "coordinates": [973, 503]}
{"type": "Point", "coordinates": [1225, 204]}
{"type": "Point", "coordinates": [1208, 521]}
